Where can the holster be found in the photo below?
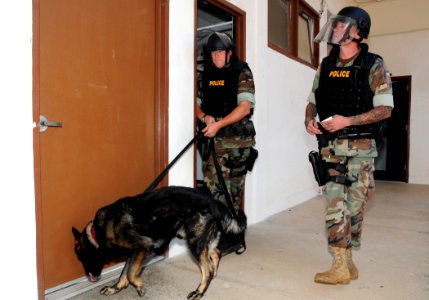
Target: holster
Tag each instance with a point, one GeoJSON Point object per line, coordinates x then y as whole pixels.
{"type": "Point", "coordinates": [236, 167]}
{"type": "Point", "coordinates": [252, 158]}
{"type": "Point", "coordinates": [319, 169]}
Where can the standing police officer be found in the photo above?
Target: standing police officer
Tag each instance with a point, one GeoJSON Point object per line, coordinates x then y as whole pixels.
{"type": "Point", "coordinates": [352, 94]}
{"type": "Point", "coordinates": [226, 98]}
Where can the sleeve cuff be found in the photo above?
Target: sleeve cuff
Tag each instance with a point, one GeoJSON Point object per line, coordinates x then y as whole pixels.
{"type": "Point", "coordinates": [311, 98]}
{"type": "Point", "coordinates": [383, 100]}
{"type": "Point", "coordinates": [246, 97]}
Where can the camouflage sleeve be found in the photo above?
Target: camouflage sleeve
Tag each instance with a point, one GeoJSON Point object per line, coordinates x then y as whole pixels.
{"type": "Point", "coordinates": [311, 98]}
{"type": "Point", "coordinates": [246, 87]}
{"type": "Point", "coordinates": [381, 84]}
{"type": "Point", "coordinates": [199, 88]}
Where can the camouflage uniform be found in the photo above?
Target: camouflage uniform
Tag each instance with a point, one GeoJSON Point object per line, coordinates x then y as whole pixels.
{"type": "Point", "coordinates": [345, 205]}
{"type": "Point", "coordinates": [233, 151]}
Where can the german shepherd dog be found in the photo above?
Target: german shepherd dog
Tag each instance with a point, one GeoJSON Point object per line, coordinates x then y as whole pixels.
{"type": "Point", "coordinates": [140, 226]}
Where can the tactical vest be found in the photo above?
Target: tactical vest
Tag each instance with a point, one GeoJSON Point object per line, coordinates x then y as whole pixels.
{"type": "Point", "coordinates": [345, 90]}
{"type": "Point", "coordinates": [220, 87]}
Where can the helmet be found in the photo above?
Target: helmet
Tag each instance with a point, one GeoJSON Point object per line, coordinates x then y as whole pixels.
{"type": "Point", "coordinates": [348, 23]}
{"type": "Point", "coordinates": [219, 41]}
{"type": "Point", "coordinates": [363, 21]}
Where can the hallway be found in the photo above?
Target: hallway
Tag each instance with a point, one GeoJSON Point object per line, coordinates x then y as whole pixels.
{"type": "Point", "coordinates": [285, 251]}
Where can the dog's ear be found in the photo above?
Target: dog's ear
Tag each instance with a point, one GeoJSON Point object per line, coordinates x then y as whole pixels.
{"type": "Point", "coordinates": [76, 233]}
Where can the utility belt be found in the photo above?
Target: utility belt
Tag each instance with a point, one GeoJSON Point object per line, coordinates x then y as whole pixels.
{"type": "Point", "coordinates": [345, 133]}
{"type": "Point", "coordinates": [242, 128]}
{"type": "Point", "coordinates": [321, 173]}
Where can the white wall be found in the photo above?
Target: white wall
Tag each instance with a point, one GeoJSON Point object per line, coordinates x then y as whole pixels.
{"type": "Point", "coordinates": [181, 90]}
{"type": "Point", "coordinates": [406, 54]}
{"type": "Point", "coordinates": [17, 204]}
{"type": "Point", "coordinates": [282, 176]}
{"type": "Point", "coordinates": [181, 97]}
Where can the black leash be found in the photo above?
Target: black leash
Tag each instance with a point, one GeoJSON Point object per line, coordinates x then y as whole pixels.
{"type": "Point", "coordinates": [222, 180]}
{"type": "Point", "coordinates": [167, 168]}
{"type": "Point", "coordinates": [218, 173]}
{"type": "Point", "coordinates": [232, 211]}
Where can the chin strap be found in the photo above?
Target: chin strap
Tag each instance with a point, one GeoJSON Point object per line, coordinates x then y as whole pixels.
{"type": "Point", "coordinates": [359, 40]}
{"type": "Point", "coordinates": [347, 36]}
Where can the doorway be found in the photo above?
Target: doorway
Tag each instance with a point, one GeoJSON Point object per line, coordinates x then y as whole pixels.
{"type": "Point", "coordinates": [100, 72]}
{"type": "Point", "coordinates": [393, 159]}
{"type": "Point", "coordinates": [218, 16]}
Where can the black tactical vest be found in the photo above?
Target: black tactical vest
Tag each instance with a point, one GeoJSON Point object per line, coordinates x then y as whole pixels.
{"type": "Point", "coordinates": [345, 90]}
{"type": "Point", "coordinates": [220, 88]}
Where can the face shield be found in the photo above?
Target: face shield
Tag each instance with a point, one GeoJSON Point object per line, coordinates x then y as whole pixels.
{"type": "Point", "coordinates": [337, 30]}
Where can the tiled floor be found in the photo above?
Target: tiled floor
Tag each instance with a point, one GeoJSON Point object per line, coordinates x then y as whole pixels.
{"type": "Point", "coordinates": [285, 251]}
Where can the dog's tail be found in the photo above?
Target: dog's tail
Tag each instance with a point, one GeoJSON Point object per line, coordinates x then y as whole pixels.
{"type": "Point", "coordinates": [233, 239]}
{"type": "Point", "coordinates": [234, 225]}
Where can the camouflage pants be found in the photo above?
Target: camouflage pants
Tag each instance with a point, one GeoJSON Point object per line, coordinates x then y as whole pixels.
{"type": "Point", "coordinates": [345, 205]}
{"type": "Point", "coordinates": [232, 162]}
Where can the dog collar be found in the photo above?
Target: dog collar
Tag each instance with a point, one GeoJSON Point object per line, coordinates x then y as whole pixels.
{"type": "Point", "coordinates": [90, 233]}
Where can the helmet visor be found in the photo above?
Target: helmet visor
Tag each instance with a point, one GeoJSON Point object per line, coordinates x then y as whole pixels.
{"type": "Point", "coordinates": [337, 30]}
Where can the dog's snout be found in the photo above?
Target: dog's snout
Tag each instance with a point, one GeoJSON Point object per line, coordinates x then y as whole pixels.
{"type": "Point", "coordinates": [93, 278]}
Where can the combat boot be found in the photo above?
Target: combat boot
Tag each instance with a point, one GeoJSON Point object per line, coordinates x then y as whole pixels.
{"type": "Point", "coordinates": [339, 272]}
{"type": "Point", "coordinates": [354, 272]}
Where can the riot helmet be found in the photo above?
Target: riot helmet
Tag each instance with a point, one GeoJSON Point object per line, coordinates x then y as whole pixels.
{"type": "Point", "coordinates": [349, 23]}
{"type": "Point", "coordinates": [219, 41]}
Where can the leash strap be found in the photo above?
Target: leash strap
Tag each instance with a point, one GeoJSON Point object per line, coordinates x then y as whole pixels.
{"type": "Point", "coordinates": [167, 168]}
{"type": "Point", "coordinates": [242, 240]}
{"type": "Point", "coordinates": [218, 173]}
{"type": "Point", "coordinates": [222, 180]}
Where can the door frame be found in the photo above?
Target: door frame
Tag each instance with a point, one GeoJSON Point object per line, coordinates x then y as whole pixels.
{"type": "Point", "coordinates": [384, 175]}
{"type": "Point", "coordinates": [239, 14]}
{"type": "Point", "coordinates": [161, 116]}
{"type": "Point", "coordinates": [240, 46]}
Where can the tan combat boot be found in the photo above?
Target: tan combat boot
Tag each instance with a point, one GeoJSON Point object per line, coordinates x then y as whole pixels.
{"type": "Point", "coordinates": [354, 272]}
{"type": "Point", "coordinates": [339, 272]}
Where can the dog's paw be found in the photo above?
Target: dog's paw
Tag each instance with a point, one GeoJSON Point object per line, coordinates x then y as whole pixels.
{"type": "Point", "coordinates": [140, 291]}
{"type": "Point", "coordinates": [110, 290]}
{"type": "Point", "coordinates": [195, 295]}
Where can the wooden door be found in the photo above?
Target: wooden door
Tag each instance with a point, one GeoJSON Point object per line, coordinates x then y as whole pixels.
{"type": "Point", "coordinates": [97, 70]}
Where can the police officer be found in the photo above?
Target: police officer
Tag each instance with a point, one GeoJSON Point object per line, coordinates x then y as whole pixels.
{"type": "Point", "coordinates": [225, 102]}
{"type": "Point", "coordinates": [351, 95]}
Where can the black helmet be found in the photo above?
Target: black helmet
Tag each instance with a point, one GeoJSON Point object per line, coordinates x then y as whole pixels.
{"type": "Point", "coordinates": [363, 21]}
{"type": "Point", "coordinates": [219, 41]}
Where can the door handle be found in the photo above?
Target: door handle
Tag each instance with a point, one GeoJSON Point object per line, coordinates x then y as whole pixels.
{"type": "Point", "coordinates": [44, 124]}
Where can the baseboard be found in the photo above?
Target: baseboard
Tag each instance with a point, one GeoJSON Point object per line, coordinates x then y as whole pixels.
{"type": "Point", "coordinates": [82, 285]}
